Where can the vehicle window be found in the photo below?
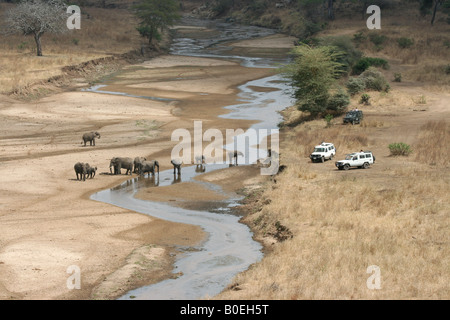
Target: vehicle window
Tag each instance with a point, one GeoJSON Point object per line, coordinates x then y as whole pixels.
{"type": "Point", "coordinates": [348, 158]}
{"type": "Point", "coordinates": [368, 155]}
{"type": "Point", "coordinates": [362, 156]}
{"type": "Point", "coordinates": [319, 150]}
{"type": "Point", "coordinates": [355, 158]}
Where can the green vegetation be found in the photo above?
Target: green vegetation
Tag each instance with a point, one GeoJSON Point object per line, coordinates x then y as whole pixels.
{"type": "Point", "coordinates": [355, 86]}
{"type": "Point", "coordinates": [313, 74]}
{"type": "Point", "coordinates": [154, 16]}
{"type": "Point", "coordinates": [365, 62]}
{"type": "Point", "coordinates": [405, 43]}
{"type": "Point", "coordinates": [400, 149]}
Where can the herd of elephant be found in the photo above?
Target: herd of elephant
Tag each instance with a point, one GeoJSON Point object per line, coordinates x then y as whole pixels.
{"type": "Point", "coordinates": [139, 165]}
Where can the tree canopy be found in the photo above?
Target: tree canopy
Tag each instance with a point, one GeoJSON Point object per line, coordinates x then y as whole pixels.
{"type": "Point", "coordinates": [36, 17]}
{"type": "Point", "coordinates": [313, 73]}
{"type": "Point", "coordinates": [155, 15]}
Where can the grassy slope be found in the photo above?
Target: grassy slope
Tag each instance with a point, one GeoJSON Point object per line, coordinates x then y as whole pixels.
{"type": "Point", "coordinates": [323, 228]}
{"type": "Point", "coordinates": [103, 33]}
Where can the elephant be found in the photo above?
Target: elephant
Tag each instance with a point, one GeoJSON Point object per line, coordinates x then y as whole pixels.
{"type": "Point", "coordinates": [90, 137]}
{"type": "Point", "coordinates": [148, 167]}
{"type": "Point", "coordinates": [82, 170]}
{"type": "Point", "coordinates": [91, 172]}
{"type": "Point", "coordinates": [121, 163]}
{"type": "Point", "coordinates": [200, 159]}
{"type": "Point", "coordinates": [137, 164]}
{"type": "Point", "coordinates": [176, 165]}
{"type": "Point", "coordinates": [234, 154]}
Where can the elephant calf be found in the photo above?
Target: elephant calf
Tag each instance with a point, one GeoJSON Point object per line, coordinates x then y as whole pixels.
{"type": "Point", "coordinates": [81, 169]}
{"type": "Point", "coordinates": [91, 172]}
{"type": "Point", "coordinates": [90, 137]}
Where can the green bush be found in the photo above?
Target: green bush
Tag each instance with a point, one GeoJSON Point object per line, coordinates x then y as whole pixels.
{"type": "Point", "coordinates": [397, 77]}
{"type": "Point", "coordinates": [405, 43]}
{"type": "Point", "coordinates": [349, 54]}
{"type": "Point", "coordinates": [377, 39]}
{"type": "Point", "coordinates": [338, 102]}
{"type": "Point", "coordinates": [365, 99]}
{"type": "Point", "coordinates": [374, 80]}
{"type": "Point", "coordinates": [400, 149]}
{"type": "Point", "coordinates": [355, 86]}
{"type": "Point", "coordinates": [365, 62]}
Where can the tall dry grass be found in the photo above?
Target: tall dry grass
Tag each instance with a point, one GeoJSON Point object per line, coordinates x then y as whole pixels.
{"type": "Point", "coordinates": [336, 224]}
{"type": "Point", "coordinates": [431, 147]}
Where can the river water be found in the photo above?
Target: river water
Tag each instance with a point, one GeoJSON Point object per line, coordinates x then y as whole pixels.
{"type": "Point", "coordinates": [229, 248]}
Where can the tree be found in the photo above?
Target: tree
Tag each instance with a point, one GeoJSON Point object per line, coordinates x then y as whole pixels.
{"type": "Point", "coordinates": [155, 15]}
{"type": "Point", "coordinates": [36, 17]}
{"type": "Point", "coordinates": [313, 73]}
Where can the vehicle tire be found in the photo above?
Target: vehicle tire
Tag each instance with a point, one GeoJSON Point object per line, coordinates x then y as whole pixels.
{"type": "Point", "coordinates": [365, 165]}
{"type": "Point", "coordinates": [346, 166]}
{"type": "Point", "coordinates": [322, 159]}
{"type": "Point", "coordinates": [353, 122]}
{"type": "Point", "coordinates": [331, 157]}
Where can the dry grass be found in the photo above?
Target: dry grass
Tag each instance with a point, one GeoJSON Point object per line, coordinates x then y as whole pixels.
{"type": "Point", "coordinates": [431, 147]}
{"type": "Point", "coordinates": [104, 32]}
{"type": "Point", "coordinates": [341, 223]}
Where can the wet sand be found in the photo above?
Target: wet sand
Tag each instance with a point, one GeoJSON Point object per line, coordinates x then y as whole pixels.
{"type": "Point", "coordinates": [48, 223]}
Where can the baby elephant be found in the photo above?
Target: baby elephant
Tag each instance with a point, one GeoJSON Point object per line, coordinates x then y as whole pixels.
{"type": "Point", "coordinates": [82, 170]}
{"type": "Point", "coordinates": [90, 137]}
{"type": "Point", "coordinates": [90, 173]}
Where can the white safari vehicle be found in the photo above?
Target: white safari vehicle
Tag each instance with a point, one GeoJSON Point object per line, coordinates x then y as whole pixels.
{"type": "Point", "coordinates": [361, 159]}
{"type": "Point", "coordinates": [322, 152]}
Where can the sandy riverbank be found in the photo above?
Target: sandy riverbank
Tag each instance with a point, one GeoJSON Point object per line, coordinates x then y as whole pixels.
{"type": "Point", "coordinates": [48, 223]}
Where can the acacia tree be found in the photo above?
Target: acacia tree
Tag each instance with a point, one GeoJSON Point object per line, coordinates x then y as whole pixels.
{"type": "Point", "coordinates": [36, 17]}
{"type": "Point", "coordinates": [313, 73]}
{"type": "Point", "coordinates": [155, 15]}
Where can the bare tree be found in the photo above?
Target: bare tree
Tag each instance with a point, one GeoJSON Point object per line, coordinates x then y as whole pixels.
{"type": "Point", "coordinates": [36, 17]}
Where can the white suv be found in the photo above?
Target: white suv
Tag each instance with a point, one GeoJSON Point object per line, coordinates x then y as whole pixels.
{"type": "Point", "coordinates": [361, 159]}
{"type": "Point", "coordinates": [323, 151]}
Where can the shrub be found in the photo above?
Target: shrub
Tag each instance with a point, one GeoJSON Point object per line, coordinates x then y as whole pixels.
{"type": "Point", "coordinates": [349, 55]}
{"type": "Point", "coordinates": [339, 101]}
{"type": "Point", "coordinates": [355, 86]}
{"type": "Point", "coordinates": [377, 39]}
{"type": "Point", "coordinates": [405, 42]}
{"type": "Point", "coordinates": [328, 119]}
{"type": "Point", "coordinates": [365, 62]}
{"type": "Point", "coordinates": [365, 99]}
{"type": "Point", "coordinates": [374, 80]}
{"type": "Point", "coordinates": [447, 69]}
{"type": "Point", "coordinates": [397, 77]}
{"type": "Point", "coordinates": [359, 37]}
{"type": "Point", "coordinates": [400, 149]}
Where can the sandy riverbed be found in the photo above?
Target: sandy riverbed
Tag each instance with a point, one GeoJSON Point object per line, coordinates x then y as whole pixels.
{"type": "Point", "coordinates": [48, 223]}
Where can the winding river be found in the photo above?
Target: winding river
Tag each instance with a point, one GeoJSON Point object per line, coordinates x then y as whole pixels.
{"type": "Point", "coordinates": [229, 247]}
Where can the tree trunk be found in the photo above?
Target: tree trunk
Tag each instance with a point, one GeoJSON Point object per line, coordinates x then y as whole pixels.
{"type": "Point", "coordinates": [436, 5]}
{"type": "Point", "coordinates": [330, 10]}
{"type": "Point", "coordinates": [37, 38]}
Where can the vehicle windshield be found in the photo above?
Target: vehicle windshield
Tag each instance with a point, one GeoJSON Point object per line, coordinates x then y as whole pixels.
{"type": "Point", "coordinates": [319, 150]}
{"type": "Point", "coordinates": [349, 157]}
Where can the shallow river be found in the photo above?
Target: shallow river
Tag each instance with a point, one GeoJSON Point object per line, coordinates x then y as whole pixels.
{"type": "Point", "coordinates": [229, 247]}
